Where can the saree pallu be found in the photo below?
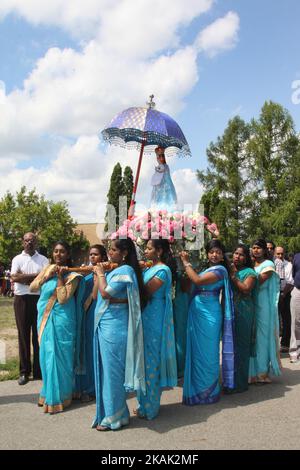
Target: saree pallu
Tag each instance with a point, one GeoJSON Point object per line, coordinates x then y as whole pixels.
{"type": "Point", "coordinates": [118, 349]}
{"type": "Point", "coordinates": [159, 342]}
{"type": "Point", "coordinates": [180, 311]}
{"type": "Point", "coordinates": [205, 322]}
{"type": "Point", "coordinates": [61, 347]}
{"type": "Point", "coordinates": [244, 330]}
{"type": "Point", "coordinates": [85, 383]}
{"type": "Point", "coordinates": [266, 298]}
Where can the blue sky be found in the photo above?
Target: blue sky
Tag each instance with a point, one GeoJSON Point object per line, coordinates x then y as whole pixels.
{"type": "Point", "coordinates": [260, 65]}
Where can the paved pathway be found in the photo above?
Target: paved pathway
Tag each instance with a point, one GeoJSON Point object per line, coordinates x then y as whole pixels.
{"type": "Point", "coordinates": [265, 417]}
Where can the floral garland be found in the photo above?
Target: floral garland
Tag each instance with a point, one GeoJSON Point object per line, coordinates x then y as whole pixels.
{"type": "Point", "coordinates": [182, 230]}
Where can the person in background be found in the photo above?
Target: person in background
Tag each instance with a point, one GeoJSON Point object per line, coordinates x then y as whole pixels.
{"type": "Point", "coordinates": [25, 268]}
{"type": "Point", "coordinates": [244, 281]}
{"type": "Point", "coordinates": [85, 383]}
{"type": "Point", "coordinates": [271, 248]}
{"type": "Point", "coordinates": [158, 328]}
{"type": "Point", "coordinates": [266, 315]}
{"type": "Point", "coordinates": [2, 279]}
{"type": "Point", "coordinates": [295, 311]}
{"type": "Point", "coordinates": [284, 270]}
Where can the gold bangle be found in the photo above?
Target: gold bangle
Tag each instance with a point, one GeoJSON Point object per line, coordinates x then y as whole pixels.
{"type": "Point", "coordinates": [101, 275]}
{"type": "Point", "coordinates": [186, 265]}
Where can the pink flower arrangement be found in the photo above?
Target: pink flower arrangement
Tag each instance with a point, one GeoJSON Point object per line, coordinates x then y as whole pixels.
{"type": "Point", "coordinates": [177, 228]}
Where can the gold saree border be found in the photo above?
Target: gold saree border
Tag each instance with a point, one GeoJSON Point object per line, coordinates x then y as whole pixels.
{"type": "Point", "coordinates": [50, 305]}
{"type": "Point", "coordinates": [52, 409]}
{"type": "Point", "coordinates": [46, 314]}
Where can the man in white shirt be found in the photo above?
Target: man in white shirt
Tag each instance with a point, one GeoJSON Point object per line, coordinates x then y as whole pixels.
{"type": "Point", "coordinates": [25, 267]}
{"type": "Point", "coordinates": [284, 270]}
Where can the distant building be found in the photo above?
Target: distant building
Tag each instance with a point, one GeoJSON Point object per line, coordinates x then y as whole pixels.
{"type": "Point", "coordinates": [92, 232]}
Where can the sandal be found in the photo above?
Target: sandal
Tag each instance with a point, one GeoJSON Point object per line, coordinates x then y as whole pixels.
{"type": "Point", "coordinates": [138, 414]}
{"type": "Point", "coordinates": [86, 398]}
{"type": "Point", "coordinates": [265, 381]}
{"type": "Point", "coordinates": [102, 428]}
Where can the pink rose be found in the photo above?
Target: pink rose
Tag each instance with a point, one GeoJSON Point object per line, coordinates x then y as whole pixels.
{"type": "Point", "coordinates": [145, 235]}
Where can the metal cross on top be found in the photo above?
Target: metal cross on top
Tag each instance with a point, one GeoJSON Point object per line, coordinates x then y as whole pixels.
{"type": "Point", "coordinates": [151, 103]}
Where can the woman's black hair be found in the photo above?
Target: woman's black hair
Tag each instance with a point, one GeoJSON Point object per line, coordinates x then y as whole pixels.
{"type": "Point", "coordinates": [166, 256]}
{"type": "Point", "coordinates": [214, 243]}
{"type": "Point", "coordinates": [102, 251]}
{"type": "Point", "coordinates": [248, 260]}
{"type": "Point", "coordinates": [131, 259]}
{"type": "Point", "coordinates": [262, 244]}
{"type": "Point", "coordinates": [272, 243]}
{"type": "Point", "coordinates": [67, 247]}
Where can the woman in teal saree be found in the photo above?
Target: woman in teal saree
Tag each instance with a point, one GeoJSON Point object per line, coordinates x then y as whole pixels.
{"type": "Point", "coordinates": [85, 383]}
{"type": "Point", "coordinates": [266, 298]}
{"type": "Point", "coordinates": [207, 322]}
{"type": "Point", "coordinates": [180, 312]}
{"type": "Point", "coordinates": [158, 327]}
{"type": "Point", "coordinates": [118, 339]}
{"type": "Point", "coordinates": [60, 327]}
{"type": "Point", "coordinates": [244, 281]}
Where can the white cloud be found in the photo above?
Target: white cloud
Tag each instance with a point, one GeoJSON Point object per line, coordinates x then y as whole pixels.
{"type": "Point", "coordinates": [81, 18]}
{"type": "Point", "coordinates": [130, 50]}
{"type": "Point", "coordinates": [188, 188]}
{"type": "Point", "coordinates": [126, 25]}
{"type": "Point", "coordinates": [221, 35]}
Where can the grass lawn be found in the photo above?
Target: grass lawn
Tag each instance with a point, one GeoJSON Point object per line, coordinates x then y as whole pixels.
{"type": "Point", "coordinates": [9, 335]}
{"type": "Point", "coordinates": [7, 315]}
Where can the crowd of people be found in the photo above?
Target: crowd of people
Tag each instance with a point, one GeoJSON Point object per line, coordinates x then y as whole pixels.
{"type": "Point", "coordinates": [121, 329]}
{"type": "Point", "coordinates": [6, 285]}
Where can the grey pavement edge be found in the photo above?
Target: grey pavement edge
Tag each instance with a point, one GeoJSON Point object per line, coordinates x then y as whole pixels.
{"type": "Point", "coordinates": [265, 417]}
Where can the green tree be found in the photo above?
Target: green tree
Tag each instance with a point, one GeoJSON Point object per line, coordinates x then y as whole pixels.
{"type": "Point", "coordinates": [273, 155]}
{"type": "Point", "coordinates": [252, 184]}
{"type": "Point", "coordinates": [28, 211]}
{"type": "Point", "coordinates": [224, 180]}
{"type": "Point", "coordinates": [119, 186]}
{"type": "Point", "coordinates": [116, 190]}
{"type": "Point", "coordinates": [128, 184]}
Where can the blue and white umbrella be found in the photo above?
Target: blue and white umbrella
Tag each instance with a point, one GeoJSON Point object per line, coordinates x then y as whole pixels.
{"type": "Point", "coordinates": [145, 128]}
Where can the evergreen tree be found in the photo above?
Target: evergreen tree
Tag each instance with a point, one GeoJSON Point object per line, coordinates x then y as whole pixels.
{"type": "Point", "coordinates": [224, 180]}
{"type": "Point", "coordinates": [252, 184]}
{"type": "Point", "coordinates": [128, 184]}
{"type": "Point", "coordinates": [273, 155]}
{"type": "Point", "coordinates": [116, 190]}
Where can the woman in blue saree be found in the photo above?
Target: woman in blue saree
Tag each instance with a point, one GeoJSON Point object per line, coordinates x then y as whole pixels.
{"type": "Point", "coordinates": [180, 312]}
{"type": "Point", "coordinates": [118, 340]}
{"type": "Point", "coordinates": [244, 281]}
{"type": "Point", "coordinates": [60, 326]}
{"type": "Point", "coordinates": [266, 298]}
{"type": "Point", "coordinates": [158, 327]}
{"type": "Point", "coordinates": [85, 383]}
{"type": "Point", "coordinates": [207, 322]}
{"type": "Point", "coordinates": [163, 194]}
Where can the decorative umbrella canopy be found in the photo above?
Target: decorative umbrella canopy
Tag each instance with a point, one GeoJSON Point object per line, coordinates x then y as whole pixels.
{"type": "Point", "coordinates": [145, 129]}
{"type": "Point", "coordinates": [146, 126]}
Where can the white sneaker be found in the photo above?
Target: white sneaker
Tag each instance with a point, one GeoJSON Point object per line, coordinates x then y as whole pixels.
{"type": "Point", "coordinates": [294, 359]}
